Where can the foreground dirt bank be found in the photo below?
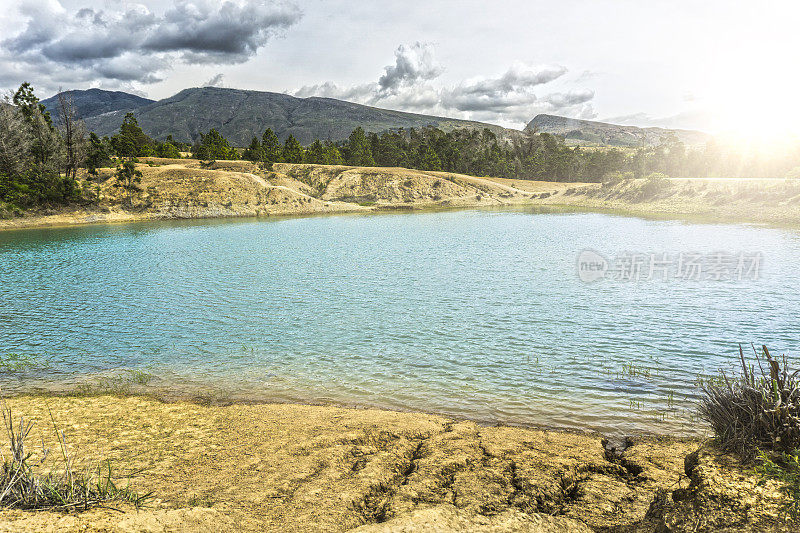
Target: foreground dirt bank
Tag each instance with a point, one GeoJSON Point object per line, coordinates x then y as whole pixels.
{"type": "Point", "coordinates": [318, 468]}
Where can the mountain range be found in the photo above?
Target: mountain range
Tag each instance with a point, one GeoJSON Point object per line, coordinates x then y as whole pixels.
{"type": "Point", "coordinates": [589, 132]}
{"type": "Point", "coordinates": [241, 114]}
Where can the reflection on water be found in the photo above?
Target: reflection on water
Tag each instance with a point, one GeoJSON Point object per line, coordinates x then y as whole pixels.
{"type": "Point", "coordinates": [477, 314]}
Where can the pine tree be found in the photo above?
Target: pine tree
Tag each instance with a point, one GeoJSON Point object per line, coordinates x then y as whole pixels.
{"type": "Point", "coordinates": [292, 151]}
{"type": "Point", "coordinates": [315, 154]}
{"type": "Point", "coordinates": [427, 159]}
{"type": "Point", "coordinates": [167, 150]}
{"type": "Point", "coordinates": [358, 149]}
{"type": "Point", "coordinates": [131, 141]}
{"type": "Point", "coordinates": [272, 147]}
{"type": "Point", "coordinates": [44, 147]}
{"type": "Point", "coordinates": [254, 152]}
{"type": "Point", "coordinates": [332, 154]}
{"type": "Point", "coordinates": [99, 153]}
{"type": "Point", "coordinates": [29, 104]}
{"type": "Point", "coordinates": [213, 146]}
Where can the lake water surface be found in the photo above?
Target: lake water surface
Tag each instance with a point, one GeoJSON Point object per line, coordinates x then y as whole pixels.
{"type": "Point", "coordinates": [476, 314]}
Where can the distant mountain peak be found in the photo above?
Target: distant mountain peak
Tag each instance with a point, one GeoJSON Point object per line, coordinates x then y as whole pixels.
{"type": "Point", "coordinates": [590, 132]}
{"type": "Point", "coordinates": [94, 102]}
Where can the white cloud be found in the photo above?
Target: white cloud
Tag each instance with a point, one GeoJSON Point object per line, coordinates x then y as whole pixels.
{"type": "Point", "coordinates": [510, 99]}
{"type": "Point", "coordinates": [412, 64]}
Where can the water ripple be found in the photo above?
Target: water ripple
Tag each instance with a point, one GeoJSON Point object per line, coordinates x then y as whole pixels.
{"type": "Point", "coordinates": [474, 314]}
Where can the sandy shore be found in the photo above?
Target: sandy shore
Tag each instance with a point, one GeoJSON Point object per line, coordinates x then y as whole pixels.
{"type": "Point", "coordinates": [317, 468]}
{"type": "Point", "coordinates": [773, 202]}
{"type": "Point", "coordinates": [186, 189]}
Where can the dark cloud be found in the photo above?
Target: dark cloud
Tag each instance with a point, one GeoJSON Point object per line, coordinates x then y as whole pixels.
{"type": "Point", "coordinates": [136, 45]}
{"type": "Point", "coordinates": [89, 14]}
{"type": "Point", "coordinates": [229, 31]}
{"type": "Point", "coordinates": [78, 48]}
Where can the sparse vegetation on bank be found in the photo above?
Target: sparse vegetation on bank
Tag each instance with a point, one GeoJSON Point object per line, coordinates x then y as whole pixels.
{"type": "Point", "coordinates": [122, 383]}
{"type": "Point", "coordinates": [16, 362]}
{"type": "Point", "coordinates": [65, 488]}
{"type": "Point", "coordinates": [757, 410]}
{"type": "Point", "coordinates": [756, 415]}
{"type": "Point", "coordinates": [785, 468]}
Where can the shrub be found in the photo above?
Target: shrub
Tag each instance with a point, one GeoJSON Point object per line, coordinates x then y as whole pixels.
{"type": "Point", "coordinates": [128, 178]}
{"type": "Point", "coordinates": [756, 411]}
{"type": "Point", "coordinates": [654, 184]}
{"type": "Point", "coordinates": [612, 178]}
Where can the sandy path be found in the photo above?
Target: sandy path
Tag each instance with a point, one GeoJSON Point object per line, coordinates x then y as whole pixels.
{"type": "Point", "coordinates": [261, 181]}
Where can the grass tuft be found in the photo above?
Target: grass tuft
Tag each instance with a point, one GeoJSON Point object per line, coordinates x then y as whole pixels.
{"type": "Point", "coordinates": [784, 467]}
{"type": "Point", "coordinates": [120, 384]}
{"type": "Point", "coordinates": [22, 487]}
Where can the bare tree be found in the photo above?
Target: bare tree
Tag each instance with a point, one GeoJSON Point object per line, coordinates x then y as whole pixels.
{"type": "Point", "coordinates": [74, 134]}
{"type": "Point", "coordinates": [15, 140]}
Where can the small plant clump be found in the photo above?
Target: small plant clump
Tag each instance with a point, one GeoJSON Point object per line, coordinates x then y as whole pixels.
{"type": "Point", "coordinates": [785, 467]}
{"type": "Point", "coordinates": [758, 410]}
{"type": "Point", "coordinates": [757, 415]}
{"type": "Point", "coordinates": [654, 184]}
{"type": "Point", "coordinates": [21, 487]}
{"type": "Point", "coordinates": [16, 362]}
{"type": "Point", "coordinates": [120, 384]}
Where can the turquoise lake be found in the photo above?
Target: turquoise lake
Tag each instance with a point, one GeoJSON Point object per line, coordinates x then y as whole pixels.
{"type": "Point", "coordinates": [476, 314]}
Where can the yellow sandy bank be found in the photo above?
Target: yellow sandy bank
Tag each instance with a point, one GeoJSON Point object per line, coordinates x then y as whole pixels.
{"type": "Point", "coordinates": [180, 188]}
{"type": "Point", "coordinates": [317, 468]}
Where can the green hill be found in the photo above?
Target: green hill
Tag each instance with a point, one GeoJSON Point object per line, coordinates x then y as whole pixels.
{"type": "Point", "coordinates": [94, 102]}
{"type": "Point", "coordinates": [239, 115]}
